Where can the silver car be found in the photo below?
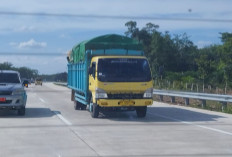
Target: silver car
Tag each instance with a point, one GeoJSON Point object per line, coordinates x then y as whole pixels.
{"type": "Point", "coordinates": [12, 93]}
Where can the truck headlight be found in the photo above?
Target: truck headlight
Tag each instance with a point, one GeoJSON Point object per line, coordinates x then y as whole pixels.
{"type": "Point", "coordinates": [100, 93]}
{"type": "Point", "coordinates": [148, 93]}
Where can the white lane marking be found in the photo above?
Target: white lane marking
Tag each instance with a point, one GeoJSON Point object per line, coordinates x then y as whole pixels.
{"type": "Point", "coordinates": [58, 115]}
{"type": "Point", "coordinates": [200, 126]}
{"type": "Point", "coordinates": [62, 118]}
{"type": "Point", "coordinates": [42, 100]}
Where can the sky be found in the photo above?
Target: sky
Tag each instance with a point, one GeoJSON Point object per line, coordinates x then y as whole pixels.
{"type": "Point", "coordinates": [41, 42]}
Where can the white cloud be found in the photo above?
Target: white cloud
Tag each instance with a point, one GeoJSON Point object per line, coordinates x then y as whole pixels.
{"type": "Point", "coordinates": [64, 36]}
{"type": "Point", "coordinates": [202, 44]}
{"type": "Point", "coordinates": [165, 8]}
{"type": "Point", "coordinates": [25, 29]}
{"type": "Point", "coordinates": [32, 44]}
{"type": "Point", "coordinates": [13, 44]}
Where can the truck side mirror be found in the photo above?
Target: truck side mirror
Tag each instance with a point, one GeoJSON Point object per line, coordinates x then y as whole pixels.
{"type": "Point", "coordinates": [90, 70]}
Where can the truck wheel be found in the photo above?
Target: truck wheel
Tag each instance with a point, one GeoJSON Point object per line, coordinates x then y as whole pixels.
{"type": "Point", "coordinates": [83, 107]}
{"type": "Point", "coordinates": [95, 111]}
{"type": "Point", "coordinates": [21, 111]}
{"type": "Point", "coordinates": [77, 105]}
{"type": "Point", "coordinates": [141, 111]}
{"type": "Point", "coordinates": [72, 95]}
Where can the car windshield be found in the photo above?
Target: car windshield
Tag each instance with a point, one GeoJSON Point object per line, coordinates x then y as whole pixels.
{"type": "Point", "coordinates": [123, 70]}
{"type": "Point", "coordinates": [9, 78]}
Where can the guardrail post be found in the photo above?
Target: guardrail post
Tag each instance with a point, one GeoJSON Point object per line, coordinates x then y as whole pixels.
{"type": "Point", "coordinates": [224, 106]}
{"type": "Point", "coordinates": [186, 101]}
{"type": "Point", "coordinates": [161, 98]}
{"type": "Point", "coordinates": [172, 99]}
{"type": "Point", "coordinates": [203, 103]}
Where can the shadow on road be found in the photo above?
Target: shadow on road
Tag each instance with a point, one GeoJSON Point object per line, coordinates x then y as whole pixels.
{"type": "Point", "coordinates": [30, 113]}
{"type": "Point", "coordinates": [162, 114]}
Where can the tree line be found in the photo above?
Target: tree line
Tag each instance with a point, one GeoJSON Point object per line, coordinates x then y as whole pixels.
{"type": "Point", "coordinates": [175, 58]}
{"type": "Point", "coordinates": [25, 72]}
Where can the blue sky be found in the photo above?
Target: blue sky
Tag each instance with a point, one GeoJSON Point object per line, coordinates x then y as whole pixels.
{"type": "Point", "coordinates": [46, 34]}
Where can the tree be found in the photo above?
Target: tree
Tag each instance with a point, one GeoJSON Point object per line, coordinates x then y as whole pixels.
{"type": "Point", "coordinates": [132, 31]}
{"type": "Point", "coordinates": [6, 66]}
{"type": "Point", "coordinates": [186, 51]}
{"type": "Point", "coordinates": [225, 37]}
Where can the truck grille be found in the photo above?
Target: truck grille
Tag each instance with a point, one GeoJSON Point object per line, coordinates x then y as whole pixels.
{"type": "Point", "coordinates": [5, 92]}
{"type": "Point", "coordinates": [6, 102]}
{"type": "Point", "coordinates": [125, 96]}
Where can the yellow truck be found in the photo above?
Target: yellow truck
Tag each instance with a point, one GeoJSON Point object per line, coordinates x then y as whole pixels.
{"type": "Point", "coordinates": [110, 72]}
{"type": "Point", "coordinates": [38, 81]}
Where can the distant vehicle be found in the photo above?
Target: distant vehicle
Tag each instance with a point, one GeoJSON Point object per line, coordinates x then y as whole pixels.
{"type": "Point", "coordinates": [12, 93]}
{"type": "Point", "coordinates": [26, 83]}
{"type": "Point", "coordinates": [110, 72]}
{"type": "Point", "coordinates": [38, 81]}
{"type": "Point", "coordinates": [32, 81]}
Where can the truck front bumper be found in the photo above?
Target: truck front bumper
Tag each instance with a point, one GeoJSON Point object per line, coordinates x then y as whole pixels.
{"type": "Point", "coordinates": [124, 102]}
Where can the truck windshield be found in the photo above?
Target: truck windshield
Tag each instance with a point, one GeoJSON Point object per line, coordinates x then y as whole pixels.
{"type": "Point", "coordinates": [123, 70]}
{"type": "Point", "coordinates": [9, 78]}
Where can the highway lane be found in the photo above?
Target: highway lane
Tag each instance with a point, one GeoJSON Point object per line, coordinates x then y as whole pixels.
{"type": "Point", "coordinates": [52, 127]}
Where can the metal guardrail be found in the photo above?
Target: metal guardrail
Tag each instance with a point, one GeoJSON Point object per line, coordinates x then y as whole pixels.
{"type": "Point", "coordinates": [61, 83]}
{"type": "Point", "coordinates": [224, 99]}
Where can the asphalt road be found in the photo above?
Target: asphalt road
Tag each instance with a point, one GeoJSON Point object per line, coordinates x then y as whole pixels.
{"type": "Point", "coordinates": [52, 128]}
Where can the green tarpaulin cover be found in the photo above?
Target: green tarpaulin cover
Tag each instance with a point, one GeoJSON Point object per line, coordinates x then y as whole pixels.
{"type": "Point", "coordinates": [111, 41]}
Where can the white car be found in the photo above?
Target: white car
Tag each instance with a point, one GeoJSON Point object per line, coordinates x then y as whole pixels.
{"type": "Point", "coordinates": [12, 93]}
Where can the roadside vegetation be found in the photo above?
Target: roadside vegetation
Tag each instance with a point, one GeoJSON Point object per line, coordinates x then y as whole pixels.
{"type": "Point", "coordinates": [28, 73]}
{"type": "Point", "coordinates": [178, 64]}
{"type": "Point", "coordinates": [25, 72]}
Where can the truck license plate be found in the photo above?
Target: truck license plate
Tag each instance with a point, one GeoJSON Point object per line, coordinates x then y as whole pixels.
{"type": "Point", "coordinates": [2, 99]}
{"type": "Point", "coordinates": [126, 102]}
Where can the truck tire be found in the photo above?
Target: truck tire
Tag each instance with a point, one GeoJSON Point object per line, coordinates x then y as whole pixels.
{"type": "Point", "coordinates": [72, 95]}
{"type": "Point", "coordinates": [21, 111]}
{"type": "Point", "coordinates": [83, 107]}
{"type": "Point", "coordinates": [141, 111]}
{"type": "Point", "coordinates": [95, 111]}
{"type": "Point", "coordinates": [77, 105]}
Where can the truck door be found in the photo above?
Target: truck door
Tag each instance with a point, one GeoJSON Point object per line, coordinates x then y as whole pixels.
{"type": "Point", "coordinates": [92, 76]}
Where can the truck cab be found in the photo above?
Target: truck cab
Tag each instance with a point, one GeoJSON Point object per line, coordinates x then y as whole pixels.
{"type": "Point", "coordinates": [120, 83]}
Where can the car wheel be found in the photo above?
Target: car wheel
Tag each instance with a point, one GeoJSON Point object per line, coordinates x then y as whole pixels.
{"type": "Point", "coordinates": [21, 111]}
